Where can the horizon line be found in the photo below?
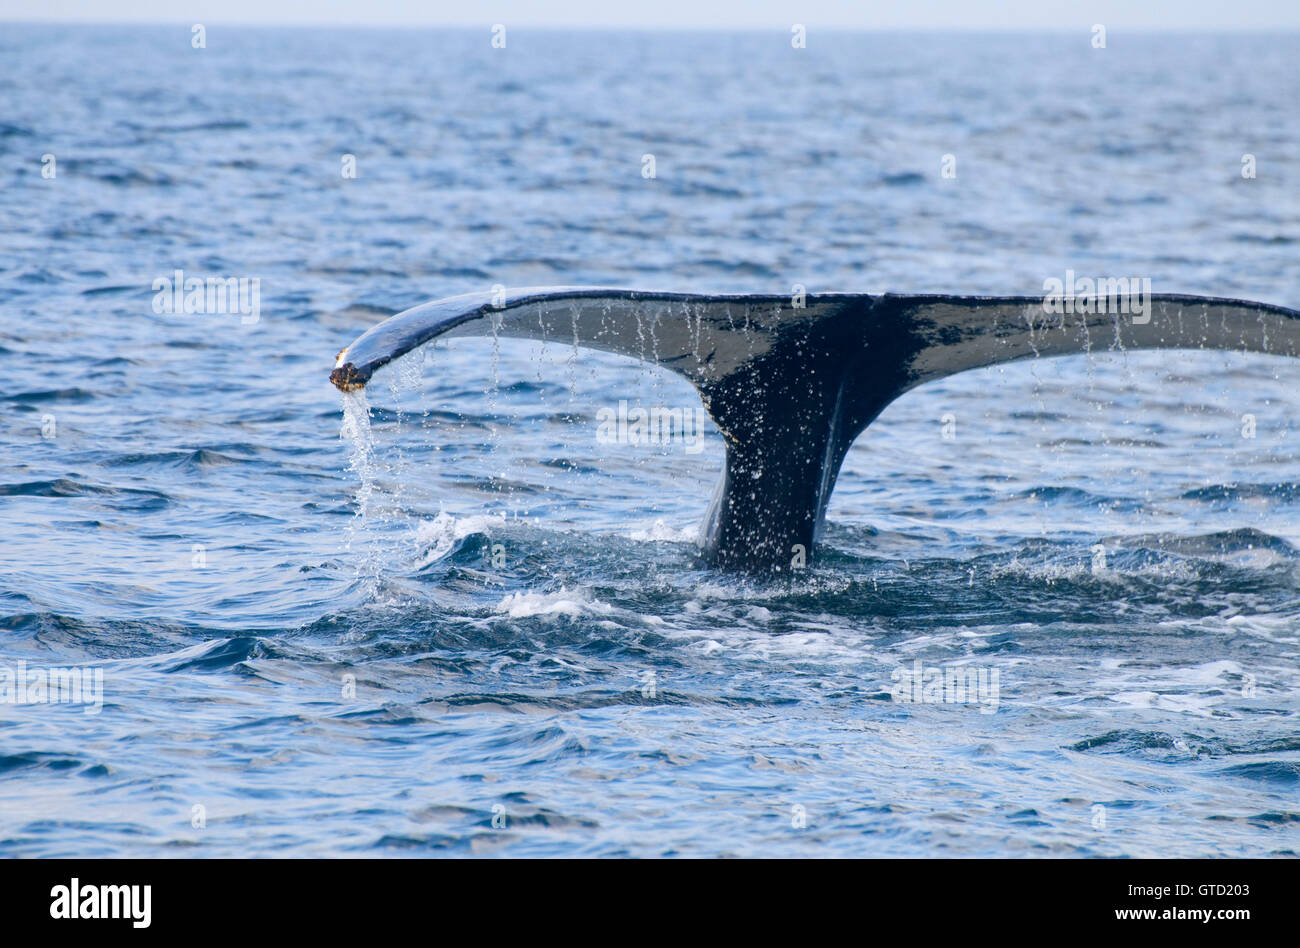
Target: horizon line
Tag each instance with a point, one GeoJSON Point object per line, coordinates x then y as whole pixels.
{"type": "Point", "coordinates": [649, 27]}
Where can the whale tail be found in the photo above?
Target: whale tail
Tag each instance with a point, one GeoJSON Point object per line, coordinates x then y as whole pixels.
{"type": "Point", "coordinates": [791, 382]}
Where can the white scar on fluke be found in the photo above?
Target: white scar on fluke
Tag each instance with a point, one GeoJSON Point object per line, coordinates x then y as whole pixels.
{"type": "Point", "coordinates": [790, 383]}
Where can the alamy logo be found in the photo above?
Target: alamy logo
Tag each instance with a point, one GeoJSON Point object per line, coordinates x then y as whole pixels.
{"type": "Point", "coordinates": [103, 901]}
{"type": "Point", "coordinates": [23, 685]}
{"type": "Point", "coordinates": [1130, 296]}
{"type": "Point", "coordinates": [213, 296]}
{"type": "Point", "coordinates": [950, 684]}
{"type": "Point", "coordinates": [659, 425]}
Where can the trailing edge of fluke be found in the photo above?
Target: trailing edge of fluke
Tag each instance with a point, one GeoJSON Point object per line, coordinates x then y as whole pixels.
{"type": "Point", "coordinates": [790, 383]}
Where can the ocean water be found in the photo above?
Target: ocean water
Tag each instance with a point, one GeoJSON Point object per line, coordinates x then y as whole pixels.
{"type": "Point", "coordinates": [450, 619]}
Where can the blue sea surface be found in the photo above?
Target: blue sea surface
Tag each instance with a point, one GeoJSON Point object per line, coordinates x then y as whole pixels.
{"type": "Point", "coordinates": [464, 624]}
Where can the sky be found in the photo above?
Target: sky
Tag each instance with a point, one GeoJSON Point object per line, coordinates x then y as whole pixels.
{"type": "Point", "coordinates": [1200, 15]}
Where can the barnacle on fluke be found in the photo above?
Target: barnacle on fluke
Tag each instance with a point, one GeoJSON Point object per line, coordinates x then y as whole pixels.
{"type": "Point", "coordinates": [347, 378]}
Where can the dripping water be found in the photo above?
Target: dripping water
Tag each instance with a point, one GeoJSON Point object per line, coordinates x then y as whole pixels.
{"type": "Point", "coordinates": [356, 431]}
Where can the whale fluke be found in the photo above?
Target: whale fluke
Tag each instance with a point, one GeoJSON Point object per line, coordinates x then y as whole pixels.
{"type": "Point", "coordinates": [791, 386]}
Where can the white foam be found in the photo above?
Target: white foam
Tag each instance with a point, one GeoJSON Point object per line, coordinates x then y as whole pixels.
{"type": "Point", "coordinates": [1198, 705]}
{"type": "Point", "coordinates": [1191, 689]}
{"type": "Point", "coordinates": [523, 605]}
{"type": "Point", "coordinates": [1051, 571]}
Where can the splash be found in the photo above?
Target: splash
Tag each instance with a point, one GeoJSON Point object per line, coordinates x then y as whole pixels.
{"type": "Point", "coordinates": [438, 537]}
{"type": "Point", "coordinates": [661, 530]}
